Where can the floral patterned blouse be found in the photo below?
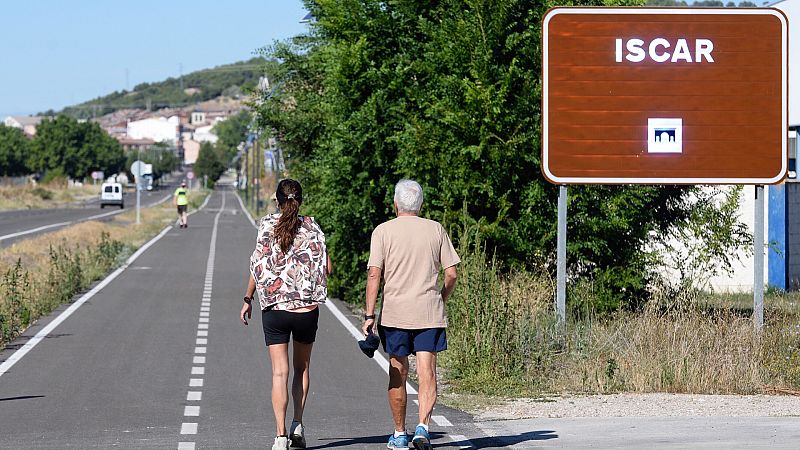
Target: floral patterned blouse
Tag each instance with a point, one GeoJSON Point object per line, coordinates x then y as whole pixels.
{"type": "Point", "coordinates": [294, 279]}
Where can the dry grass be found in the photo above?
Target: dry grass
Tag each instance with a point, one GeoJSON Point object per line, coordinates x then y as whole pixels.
{"type": "Point", "coordinates": [49, 195]}
{"type": "Point", "coordinates": [682, 352]}
{"type": "Point", "coordinates": [42, 272]}
{"type": "Point", "coordinates": [503, 341]}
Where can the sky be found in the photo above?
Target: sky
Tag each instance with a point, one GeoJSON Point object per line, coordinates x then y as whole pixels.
{"type": "Point", "coordinates": [57, 53]}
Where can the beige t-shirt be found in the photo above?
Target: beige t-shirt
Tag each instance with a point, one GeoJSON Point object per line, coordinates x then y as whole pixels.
{"type": "Point", "coordinates": [411, 251]}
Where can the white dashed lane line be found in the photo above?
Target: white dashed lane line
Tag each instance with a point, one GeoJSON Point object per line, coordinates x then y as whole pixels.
{"type": "Point", "coordinates": [462, 441]}
{"type": "Point", "coordinates": [201, 342]}
{"type": "Point", "coordinates": [441, 421]}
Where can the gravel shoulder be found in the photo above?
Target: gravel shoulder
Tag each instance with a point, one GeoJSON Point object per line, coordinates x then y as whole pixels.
{"type": "Point", "coordinates": [640, 405]}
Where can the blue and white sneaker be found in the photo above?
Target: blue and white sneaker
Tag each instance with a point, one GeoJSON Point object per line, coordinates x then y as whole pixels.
{"type": "Point", "coordinates": [398, 442]}
{"type": "Point", "coordinates": [421, 440]}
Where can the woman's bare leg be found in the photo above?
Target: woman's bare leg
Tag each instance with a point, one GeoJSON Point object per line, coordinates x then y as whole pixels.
{"type": "Point", "coordinates": [300, 379]}
{"type": "Point", "coordinates": [279, 355]}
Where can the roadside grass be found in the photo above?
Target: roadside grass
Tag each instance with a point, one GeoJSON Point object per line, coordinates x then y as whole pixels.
{"type": "Point", "coordinates": [503, 341]}
{"type": "Point", "coordinates": [50, 195]}
{"type": "Point", "coordinates": [41, 273]}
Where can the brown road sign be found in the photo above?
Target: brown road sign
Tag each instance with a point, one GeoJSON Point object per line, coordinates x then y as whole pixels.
{"type": "Point", "coordinates": [664, 96]}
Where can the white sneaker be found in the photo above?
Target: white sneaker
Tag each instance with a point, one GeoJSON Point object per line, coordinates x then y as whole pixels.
{"type": "Point", "coordinates": [297, 435]}
{"type": "Point", "coordinates": [281, 443]}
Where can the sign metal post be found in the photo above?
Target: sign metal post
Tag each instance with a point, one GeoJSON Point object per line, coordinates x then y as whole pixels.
{"type": "Point", "coordinates": [561, 269]}
{"type": "Point", "coordinates": [137, 169]}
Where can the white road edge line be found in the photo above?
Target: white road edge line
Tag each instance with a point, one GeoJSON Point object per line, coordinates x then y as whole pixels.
{"type": "Point", "coordinates": [32, 342]}
{"type": "Point", "coordinates": [64, 224]}
{"type": "Point", "coordinates": [33, 230]}
{"type": "Point", "coordinates": [16, 356]}
{"type": "Point", "coordinates": [379, 358]}
{"type": "Point", "coordinates": [246, 212]}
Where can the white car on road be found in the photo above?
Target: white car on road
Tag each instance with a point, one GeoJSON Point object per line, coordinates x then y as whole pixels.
{"type": "Point", "coordinates": [111, 194]}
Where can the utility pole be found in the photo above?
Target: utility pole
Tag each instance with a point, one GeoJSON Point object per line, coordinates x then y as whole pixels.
{"type": "Point", "coordinates": [253, 176]}
{"type": "Point", "coordinates": [258, 177]}
{"type": "Point", "coordinates": [136, 178]}
{"type": "Point", "coordinates": [246, 175]}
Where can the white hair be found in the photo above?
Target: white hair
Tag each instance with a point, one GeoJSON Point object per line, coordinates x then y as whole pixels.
{"type": "Point", "coordinates": [408, 196]}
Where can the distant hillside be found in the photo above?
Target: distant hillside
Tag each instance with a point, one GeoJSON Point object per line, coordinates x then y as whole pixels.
{"type": "Point", "coordinates": [230, 80]}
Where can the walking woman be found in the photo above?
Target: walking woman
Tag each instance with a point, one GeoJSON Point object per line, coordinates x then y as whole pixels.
{"type": "Point", "coordinates": [289, 269]}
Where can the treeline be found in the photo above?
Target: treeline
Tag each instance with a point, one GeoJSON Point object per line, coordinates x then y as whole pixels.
{"type": "Point", "coordinates": [62, 147]}
{"type": "Point", "coordinates": [448, 93]}
{"type": "Point", "coordinates": [232, 80]}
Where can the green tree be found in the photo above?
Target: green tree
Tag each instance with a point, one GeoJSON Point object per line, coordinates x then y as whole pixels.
{"type": "Point", "coordinates": [14, 149]}
{"type": "Point", "coordinates": [231, 132]}
{"type": "Point", "coordinates": [448, 94]}
{"type": "Point", "coordinates": [67, 147]}
{"type": "Point", "coordinates": [209, 163]}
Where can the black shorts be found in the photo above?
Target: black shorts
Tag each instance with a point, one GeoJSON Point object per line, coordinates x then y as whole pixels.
{"type": "Point", "coordinates": [278, 325]}
{"type": "Point", "coordinates": [182, 209]}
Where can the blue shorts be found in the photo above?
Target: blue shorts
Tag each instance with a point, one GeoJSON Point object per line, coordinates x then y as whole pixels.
{"type": "Point", "coordinates": [402, 342]}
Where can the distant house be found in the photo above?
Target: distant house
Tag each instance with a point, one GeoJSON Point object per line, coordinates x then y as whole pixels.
{"type": "Point", "coordinates": [204, 134]}
{"type": "Point", "coordinates": [130, 144]}
{"type": "Point", "coordinates": [198, 117]}
{"type": "Point", "coordinates": [191, 150]}
{"type": "Point", "coordinates": [27, 124]}
{"type": "Point", "coordinates": [117, 130]}
{"type": "Point", "coordinates": [159, 129]}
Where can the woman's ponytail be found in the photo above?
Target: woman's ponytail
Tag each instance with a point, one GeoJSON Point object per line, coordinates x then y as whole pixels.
{"type": "Point", "coordinates": [290, 196]}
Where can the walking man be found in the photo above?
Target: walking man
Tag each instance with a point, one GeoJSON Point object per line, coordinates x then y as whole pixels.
{"type": "Point", "coordinates": [181, 200]}
{"type": "Point", "coordinates": [408, 252]}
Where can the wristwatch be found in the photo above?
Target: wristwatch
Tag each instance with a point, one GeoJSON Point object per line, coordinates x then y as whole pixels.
{"type": "Point", "coordinates": [369, 317]}
{"type": "Point", "coordinates": [248, 299]}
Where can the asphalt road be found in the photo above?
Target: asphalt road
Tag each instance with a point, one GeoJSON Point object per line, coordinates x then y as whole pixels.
{"type": "Point", "coordinates": [157, 358]}
{"type": "Point", "coordinates": [647, 433]}
{"type": "Point", "coordinates": [22, 224]}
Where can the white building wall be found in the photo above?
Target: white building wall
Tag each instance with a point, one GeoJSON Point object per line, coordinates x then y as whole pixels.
{"type": "Point", "coordinates": [204, 134]}
{"type": "Point", "coordinates": [11, 122]}
{"type": "Point", "coordinates": [742, 278]}
{"type": "Point", "coordinates": [742, 265]}
{"type": "Point", "coordinates": [158, 129]}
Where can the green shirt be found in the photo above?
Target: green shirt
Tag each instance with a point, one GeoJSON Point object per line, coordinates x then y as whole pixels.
{"type": "Point", "coordinates": [182, 197]}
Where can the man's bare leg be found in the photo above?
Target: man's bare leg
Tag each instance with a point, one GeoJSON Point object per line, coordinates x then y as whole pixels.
{"type": "Point", "coordinates": [398, 373]}
{"type": "Point", "coordinates": [426, 372]}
